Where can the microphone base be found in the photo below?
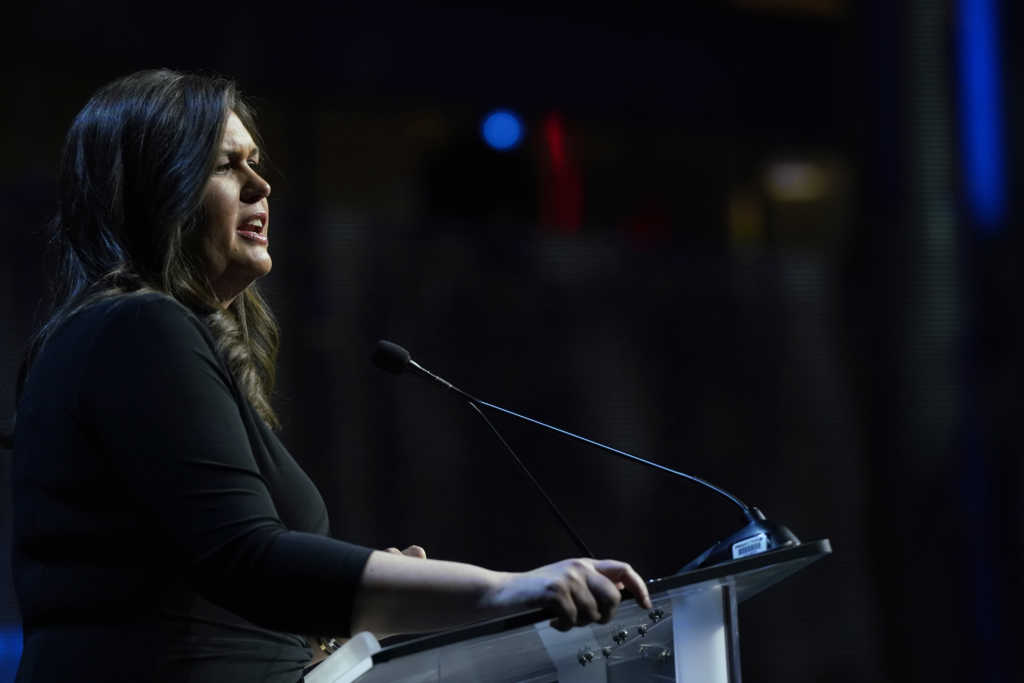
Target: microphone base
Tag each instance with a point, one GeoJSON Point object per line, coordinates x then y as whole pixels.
{"type": "Point", "coordinates": [760, 535]}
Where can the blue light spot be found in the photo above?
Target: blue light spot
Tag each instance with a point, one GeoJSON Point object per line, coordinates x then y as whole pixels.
{"type": "Point", "coordinates": [981, 109]}
{"type": "Point", "coordinates": [10, 651]}
{"type": "Point", "coordinates": [502, 129]}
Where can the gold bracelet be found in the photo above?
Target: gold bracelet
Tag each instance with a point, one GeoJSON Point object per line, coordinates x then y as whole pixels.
{"type": "Point", "coordinates": [329, 645]}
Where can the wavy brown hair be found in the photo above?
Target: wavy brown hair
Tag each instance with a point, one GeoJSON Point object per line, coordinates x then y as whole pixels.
{"type": "Point", "coordinates": [134, 168]}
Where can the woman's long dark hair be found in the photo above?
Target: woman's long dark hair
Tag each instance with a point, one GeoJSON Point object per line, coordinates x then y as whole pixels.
{"type": "Point", "coordinates": [135, 164]}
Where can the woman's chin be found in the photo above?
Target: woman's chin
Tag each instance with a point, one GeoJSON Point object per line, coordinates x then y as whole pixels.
{"type": "Point", "coordinates": [236, 279]}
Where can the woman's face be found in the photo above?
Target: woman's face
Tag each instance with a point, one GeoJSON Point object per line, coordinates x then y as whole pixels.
{"type": "Point", "coordinates": [233, 241]}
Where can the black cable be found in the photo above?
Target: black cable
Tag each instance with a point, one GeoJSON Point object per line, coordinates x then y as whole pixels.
{"type": "Point", "coordinates": [540, 489]}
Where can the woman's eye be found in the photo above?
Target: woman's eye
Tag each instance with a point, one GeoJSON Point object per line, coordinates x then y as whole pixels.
{"type": "Point", "coordinates": [254, 164]}
{"type": "Point", "coordinates": [223, 168]}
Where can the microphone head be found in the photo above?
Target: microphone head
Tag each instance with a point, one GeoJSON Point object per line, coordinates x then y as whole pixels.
{"type": "Point", "coordinates": [391, 357]}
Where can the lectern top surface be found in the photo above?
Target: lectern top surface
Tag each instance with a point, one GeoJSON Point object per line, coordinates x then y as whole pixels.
{"type": "Point", "coordinates": [748, 576]}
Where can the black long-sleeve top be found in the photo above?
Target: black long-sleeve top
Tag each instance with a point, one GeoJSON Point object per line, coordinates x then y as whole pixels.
{"type": "Point", "coordinates": [161, 530]}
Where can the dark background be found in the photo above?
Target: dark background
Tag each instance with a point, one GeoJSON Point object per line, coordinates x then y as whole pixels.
{"type": "Point", "coordinates": [735, 239]}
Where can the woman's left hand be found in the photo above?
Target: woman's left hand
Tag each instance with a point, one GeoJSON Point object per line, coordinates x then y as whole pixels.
{"type": "Point", "coordinates": [411, 551]}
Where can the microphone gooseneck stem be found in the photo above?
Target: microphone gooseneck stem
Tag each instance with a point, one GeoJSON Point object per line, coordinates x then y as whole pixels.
{"type": "Point", "coordinates": [536, 484]}
{"type": "Point", "coordinates": [429, 375]}
{"type": "Point", "coordinates": [394, 358]}
{"type": "Point", "coordinates": [747, 511]}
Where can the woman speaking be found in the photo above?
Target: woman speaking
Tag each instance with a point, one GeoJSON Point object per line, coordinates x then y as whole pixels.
{"type": "Point", "coordinates": [162, 532]}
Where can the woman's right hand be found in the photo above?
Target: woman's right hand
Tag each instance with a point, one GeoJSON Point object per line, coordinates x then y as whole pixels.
{"type": "Point", "coordinates": [576, 592]}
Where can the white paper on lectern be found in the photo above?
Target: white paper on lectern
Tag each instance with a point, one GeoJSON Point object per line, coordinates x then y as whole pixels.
{"type": "Point", "coordinates": [349, 662]}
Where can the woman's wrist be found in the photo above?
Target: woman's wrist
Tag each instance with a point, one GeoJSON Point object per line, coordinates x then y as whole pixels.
{"type": "Point", "coordinates": [495, 599]}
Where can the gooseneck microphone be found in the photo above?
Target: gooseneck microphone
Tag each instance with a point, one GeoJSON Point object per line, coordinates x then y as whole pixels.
{"type": "Point", "coordinates": [757, 536]}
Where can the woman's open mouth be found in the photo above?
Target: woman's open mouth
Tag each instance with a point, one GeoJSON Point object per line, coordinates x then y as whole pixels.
{"type": "Point", "coordinates": [254, 228]}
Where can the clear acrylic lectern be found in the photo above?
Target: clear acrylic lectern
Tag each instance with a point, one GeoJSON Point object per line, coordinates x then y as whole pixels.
{"type": "Point", "coordinates": [691, 635]}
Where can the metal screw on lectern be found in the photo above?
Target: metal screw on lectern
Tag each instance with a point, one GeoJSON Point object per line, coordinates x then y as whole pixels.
{"type": "Point", "coordinates": [656, 615]}
{"type": "Point", "coordinates": [585, 657]}
{"type": "Point", "coordinates": [656, 652]}
{"type": "Point", "coordinates": [606, 651]}
{"type": "Point", "coordinates": [642, 630]}
{"type": "Point", "coordinates": [621, 636]}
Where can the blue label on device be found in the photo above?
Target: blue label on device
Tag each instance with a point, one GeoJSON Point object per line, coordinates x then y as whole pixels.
{"type": "Point", "coordinates": [750, 546]}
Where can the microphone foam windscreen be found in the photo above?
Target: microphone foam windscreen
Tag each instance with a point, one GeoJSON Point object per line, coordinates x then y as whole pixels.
{"type": "Point", "coordinates": [391, 357]}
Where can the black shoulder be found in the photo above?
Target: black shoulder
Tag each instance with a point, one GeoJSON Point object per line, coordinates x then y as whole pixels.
{"type": "Point", "coordinates": [147, 329]}
{"type": "Point", "coordinates": [146, 315]}
{"type": "Point", "coordinates": [153, 335]}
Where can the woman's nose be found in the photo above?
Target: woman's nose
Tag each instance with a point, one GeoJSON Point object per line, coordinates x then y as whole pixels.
{"type": "Point", "coordinates": [255, 188]}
